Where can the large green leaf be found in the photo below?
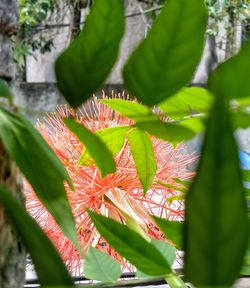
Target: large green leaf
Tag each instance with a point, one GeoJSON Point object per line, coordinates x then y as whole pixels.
{"type": "Point", "coordinates": [113, 137]}
{"type": "Point", "coordinates": [41, 167]}
{"type": "Point", "coordinates": [130, 109]}
{"type": "Point", "coordinates": [231, 79]}
{"type": "Point", "coordinates": [100, 266]}
{"type": "Point", "coordinates": [171, 229]}
{"type": "Point", "coordinates": [216, 226]}
{"type": "Point", "coordinates": [82, 68]}
{"type": "Point", "coordinates": [166, 60]}
{"type": "Point", "coordinates": [131, 246]}
{"type": "Point", "coordinates": [96, 148]}
{"type": "Point", "coordinates": [143, 154]}
{"type": "Point", "coordinates": [48, 264]}
{"type": "Point", "coordinates": [187, 101]}
{"type": "Point", "coordinates": [173, 133]}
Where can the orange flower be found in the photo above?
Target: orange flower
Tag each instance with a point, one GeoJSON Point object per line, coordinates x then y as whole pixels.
{"type": "Point", "coordinates": [118, 195]}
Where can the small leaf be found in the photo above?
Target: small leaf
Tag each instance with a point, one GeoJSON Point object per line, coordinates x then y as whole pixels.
{"type": "Point", "coordinates": [166, 250]}
{"type": "Point", "coordinates": [171, 229]}
{"type": "Point", "coordinates": [143, 154]}
{"type": "Point", "coordinates": [48, 264]}
{"type": "Point", "coordinates": [113, 137]}
{"type": "Point", "coordinates": [41, 167]}
{"type": "Point", "coordinates": [130, 109]}
{"type": "Point", "coordinates": [231, 79]}
{"type": "Point", "coordinates": [5, 90]}
{"type": "Point", "coordinates": [240, 120]}
{"type": "Point", "coordinates": [100, 266]}
{"type": "Point", "coordinates": [170, 132]}
{"type": "Point", "coordinates": [96, 148]}
{"type": "Point", "coordinates": [82, 68]}
{"type": "Point", "coordinates": [131, 246]}
{"type": "Point", "coordinates": [166, 60]}
{"type": "Point", "coordinates": [187, 101]}
{"type": "Point", "coordinates": [216, 208]}
{"type": "Point", "coordinates": [171, 186]}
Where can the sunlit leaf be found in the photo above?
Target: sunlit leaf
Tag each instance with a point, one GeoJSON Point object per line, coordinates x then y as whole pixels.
{"type": "Point", "coordinates": [96, 148]}
{"type": "Point", "coordinates": [131, 246]}
{"type": "Point", "coordinates": [130, 109]}
{"type": "Point", "coordinates": [48, 264]}
{"type": "Point", "coordinates": [171, 229]}
{"type": "Point", "coordinates": [240, 120]}
{"type": "Point", "coordinates": [100, 266]}
{"type": "Point", "coordinates": [113, 137]}
{"type": "Point", "coordinates": [82, 68]}
{"type": "Point", "coordinates": [143, 155]}
{"type": "Point", "coordinates": [41, 167]}
{"type": "Point", "coordinates": [216, 208]}
{"type": "Point", "coordinates": [166, 60]}
{"type": "Point", "coordinates": [231, 78]}
{"type": "Point", "coordinates": [187, 101]}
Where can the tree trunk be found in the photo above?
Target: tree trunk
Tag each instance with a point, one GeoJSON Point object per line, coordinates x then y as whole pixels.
{"type": "Point", "coordinates": [12, 252]}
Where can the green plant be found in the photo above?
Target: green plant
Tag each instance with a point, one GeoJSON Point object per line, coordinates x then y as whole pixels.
{"type": "Point", "coordinates": [155, 73]}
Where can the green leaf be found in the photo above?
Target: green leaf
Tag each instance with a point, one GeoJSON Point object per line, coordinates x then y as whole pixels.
{"type": "Point", "coordinates": [171, 229]}
{"type": "Point", "coordinates": [166, 250]}
{"type": "Point", "coordinates": [130, 109]}
{"type": "Point", "coordinates": [166, 60]}
{"type": "Point", "coordinates": [100, 266]}
{"type": "Point", "coordinates": [41, 167]}
{"type": "Point", "coordinates": [5, 90]}
{"type": "Point", "coordinates": [231, 78]}
{"type": "Point", "coordinates": [240, 120]}
{"type": "Point", "coordinates": [196, 124]}
{"type": "Point", "coordinates": [82, 68]}
{"type": "Point", "coordinates": [246, 265]}
{"type": "Point", "coordinates": [171, 186]}
{"type": "Point", "coordinates": [96, 148]}
{"type": "Point", "coordinates": [143, 154]}
{"type": "Point", "coordinates": [187, 101]}
{"type": "Point", "coordinates": [131, 246]}
{"type": "Point", "coordinates": [113, 138]}
{"type": "Point", "coordinates": [170, 132]}
{"type": "Point", "coordinates": [216, 208]}
{"type": "Point", "coordinates": [48, 264]}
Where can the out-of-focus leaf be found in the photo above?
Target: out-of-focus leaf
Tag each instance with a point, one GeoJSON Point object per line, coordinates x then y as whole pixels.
{"type": "Point", "coordinates": [143, 155]}
{"type": "Point", "coordinates": [5, 90]}
{"type": "Point", "coordinates": [187, 101]}
{"type": "Point", "coordinates": [246, 265]}
{"type": "Point", "coordinates": [96, 148]}
{"type": "Point", "coordinates": [173, 133]}
{"type": "Point", "coordinates": [85, 64]}
{"type": "Point", "coordinates": [48, 264]}
{"type": "Point", "coordinates": [166, 60]}
{"type": "Point", "coordinates": [195, 124]}
{"type": "Point", "coordinates": [41, 167]}
{"type": "Point", "coordinates": [231, 79]}
{"type": "Point", "coordinates": [171, 229]}
{"type": "Point", "coordinates": [100, 266]}
{"type": "Point", "coordinates": [113, 137]}
{"type": "Point", "coordinates": [131, 246]}
{"type": "Point", "coordinates": [216, 208]}
{"type": "Point", "coordinates": [166, 250]}
{"type": "Point", "coordinates": [130, 109]}
{"type": "Point", "coordinates": [240, 120]}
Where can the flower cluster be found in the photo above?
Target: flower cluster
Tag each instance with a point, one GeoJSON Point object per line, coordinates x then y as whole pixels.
{"type": "Point", "coordinates": [118, 195]}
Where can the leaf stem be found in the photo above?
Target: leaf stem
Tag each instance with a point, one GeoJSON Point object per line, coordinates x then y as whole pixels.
{"type": "Point", "coordinates": [174, 281]}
